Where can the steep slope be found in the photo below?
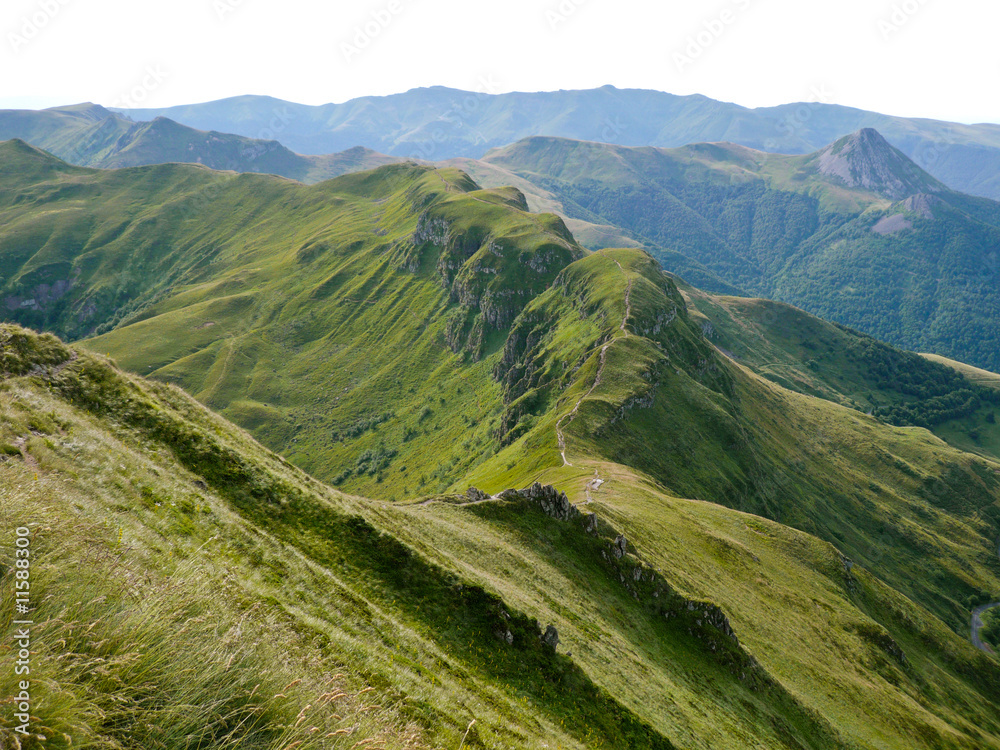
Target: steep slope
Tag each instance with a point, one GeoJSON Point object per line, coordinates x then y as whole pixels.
{"type": "Point", "coordinates": [806, 354]}
{"type": "Point", "coordinates": [680, 623]}
{"type": "Point", "coordinates": [439, 123]}
{"type": "Point", "coordinates": [834, 233]}
{"type": "Point", "coordinates": [589, 231]}
{"type": "Point", "coordinates": [92, 136]}
{"type": "Point", "coordinates": [346, 324]}
{"type": "Point", "coordinates": [190, 588]}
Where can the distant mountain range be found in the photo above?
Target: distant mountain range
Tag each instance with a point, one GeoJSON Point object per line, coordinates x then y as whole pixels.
{"type": "Point", "coordinates": [441, 123]}
{"type": "Point", "coordinates": [90, 135]}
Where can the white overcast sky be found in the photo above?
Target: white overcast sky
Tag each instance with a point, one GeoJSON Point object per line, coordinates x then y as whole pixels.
{"type": "Point", "coordinates": [930, 58]}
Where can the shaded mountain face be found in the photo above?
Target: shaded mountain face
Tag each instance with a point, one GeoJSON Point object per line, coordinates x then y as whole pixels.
{"type": "Point", "coordinates": [439, 123]}
{"type": "Point", "coordinates": [855, 233]}
{"type": "Point", "coordinates": [90, 135]}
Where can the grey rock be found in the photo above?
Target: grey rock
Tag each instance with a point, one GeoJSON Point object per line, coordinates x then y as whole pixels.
{"type": "Point", "coordinates": [550, 637]}
{"type": "Point", "coordinates": [552, 502]}
{"type": "Point", "coordinates": [474, 495]}
{"type": "Point", "coordinates": [620, 547]}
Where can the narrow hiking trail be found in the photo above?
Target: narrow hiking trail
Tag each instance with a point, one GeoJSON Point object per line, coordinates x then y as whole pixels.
{"type": "Point", "coordinates": [560, 435]}
{"type": "Point", "coordinates": [433, 500]}
{"type": "Point", "coordinates": [977, 624]}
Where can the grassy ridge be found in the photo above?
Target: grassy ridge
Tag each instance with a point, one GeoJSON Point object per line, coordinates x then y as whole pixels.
{"type": "Point", "coordinates": [357, 597]}
{"type": "Point", "coordinates": [406, 334]}
{"type": "Point", "coordinates": [674, 408]}
{"type": "Point", "coordinates": [418, 586]}
{"type": "Point", "coordinates": [809, 355]}
{"type": "Point", "coordinates": [304, 314]}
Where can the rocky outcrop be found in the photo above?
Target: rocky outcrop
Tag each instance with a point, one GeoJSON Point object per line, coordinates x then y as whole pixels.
{"type": "Point", "coordinates": [550, 637]}
{"type": "Point", "coordinates": [620, 547]}
{"type": "Point", "coordinates": [922, 205]}
{"type": "Point", "coordinates": [474, 495]}
{"type": "Point", "coordinates": [39, 297]}
{"type": "Point", "coordinates": [433, 230]}
{"type": "Point", "coordinates": [643, 401]}
{"type": "Point", "coordinates": [489, 276]}
{"type": "Point", "coordinates": [704, 621]}
{"type": "Point", "coordinates": [552, 502]}
{"type": "Point", "coordinates": [653, 327]}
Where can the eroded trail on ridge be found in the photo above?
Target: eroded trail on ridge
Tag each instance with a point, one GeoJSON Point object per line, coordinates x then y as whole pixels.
{"type": "Point", "coordinates": [560, 435]}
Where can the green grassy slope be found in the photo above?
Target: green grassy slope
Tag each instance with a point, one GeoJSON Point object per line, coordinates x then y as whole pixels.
{"type": "Point", "coordinates": [405, 334]}
{"type": "Point", "coordinates": [196, 589]}
{"type": "Point", "coordinates": [713, 628]}
{"type": "Point", "coordinates": [855, 233]}
{"type": "Point", "coordinates": [589, 229]}
{"type": "Point", "coordinates": [347, 324]}
{"type": "Point", "coordinates": [803, 353]}
{"type": "Point", "coordinates": [975, 374]}
{"type": "Point", "coordinates": [670, 405]}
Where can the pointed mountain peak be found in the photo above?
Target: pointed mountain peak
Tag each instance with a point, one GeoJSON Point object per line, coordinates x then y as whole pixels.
{"type": "Point", "coordinates": [868, 161]}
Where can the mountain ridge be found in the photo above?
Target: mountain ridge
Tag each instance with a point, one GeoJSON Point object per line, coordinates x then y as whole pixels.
{"type": "Point", "coordinates": [92, 136]}
{"type": "Point", "coordinates": [441, 123]}
{"type": "Point", "coordinates": [866, 160]}
{"type": "Point", "coordinates": [408, 336]}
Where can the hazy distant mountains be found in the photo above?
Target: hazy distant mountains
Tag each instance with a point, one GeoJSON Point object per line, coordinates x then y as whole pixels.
{"type": "Point", "coordinates": [92, 136]}
{"type": "Point", "coordinates": [440, 123]}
